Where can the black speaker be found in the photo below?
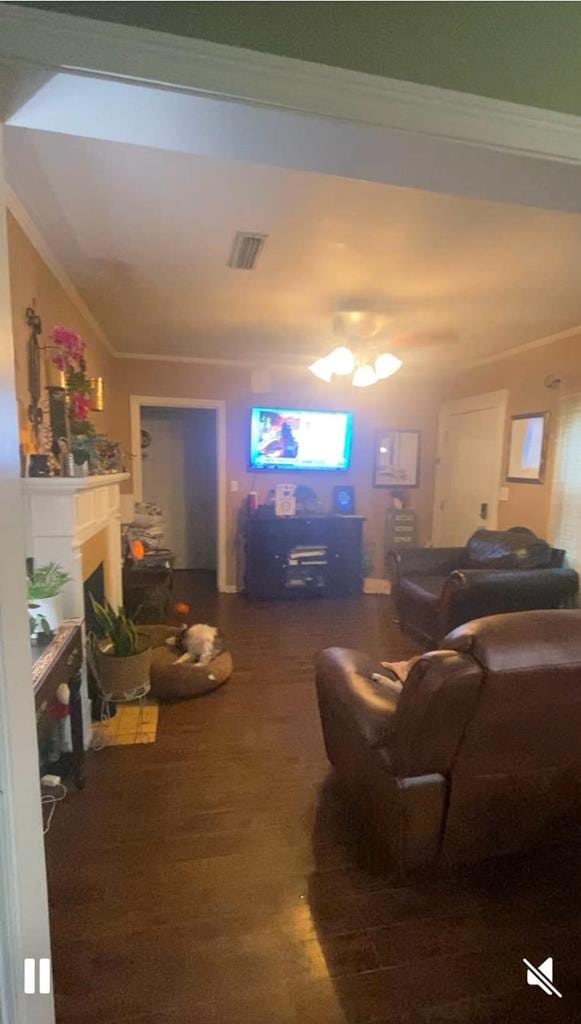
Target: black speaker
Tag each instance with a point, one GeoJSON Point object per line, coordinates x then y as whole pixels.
{"type": "Point", "coordinates": [344, 500]}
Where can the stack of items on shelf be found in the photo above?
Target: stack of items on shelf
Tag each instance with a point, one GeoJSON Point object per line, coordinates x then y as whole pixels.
{"type": "Point", "coordinates": [144, 537]}
{"type": "Point", "coordinates": [148, 526]}
{"type": "Point", "coordinates": [306, 565]}
{"type": "Point", "coordinates": [148, 568]}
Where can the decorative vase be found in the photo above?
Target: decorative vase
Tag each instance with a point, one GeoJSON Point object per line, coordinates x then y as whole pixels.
{"type": "Point", "coordinates": [51, 609]}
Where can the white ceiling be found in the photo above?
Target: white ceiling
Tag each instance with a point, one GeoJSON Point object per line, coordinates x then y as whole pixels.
{"type": "Point", "coordinates": [145, 236]}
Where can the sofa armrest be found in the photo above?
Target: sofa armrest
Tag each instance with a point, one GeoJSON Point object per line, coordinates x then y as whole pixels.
{"type": "Point", "coordinates": [474, 593]}
{"type": "Point", "coordinates": [558, 558]}
{"type": "Point", "coordinates": [344, 684]}
{"type": "Point", "coordinates": [424, 561]}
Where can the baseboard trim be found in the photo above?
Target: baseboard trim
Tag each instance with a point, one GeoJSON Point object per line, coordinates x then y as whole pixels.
{"type": "Point", "coordinates": [376, 586]}
{"type": "Point", "coordinates": [229, 588]}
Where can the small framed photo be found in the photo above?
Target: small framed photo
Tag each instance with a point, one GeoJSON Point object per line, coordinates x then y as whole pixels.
{"type": "Point", "coordinates": [397, 458]}
{"type": "Point", "coordinates": [527, 448]}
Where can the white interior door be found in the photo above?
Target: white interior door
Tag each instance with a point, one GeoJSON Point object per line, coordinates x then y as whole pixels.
{"type": "Point", "coordinates": [470, 454]}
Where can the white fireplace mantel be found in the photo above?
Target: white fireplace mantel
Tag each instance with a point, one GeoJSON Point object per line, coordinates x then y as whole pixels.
{"type": "Point", "coordinates": [62, 514]}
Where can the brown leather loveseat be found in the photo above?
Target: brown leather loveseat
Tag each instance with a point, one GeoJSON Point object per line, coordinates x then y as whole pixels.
{"type": "Point", "coordinates": [478, 755]}
{"type": "Point", "coordinates": [437, 589]}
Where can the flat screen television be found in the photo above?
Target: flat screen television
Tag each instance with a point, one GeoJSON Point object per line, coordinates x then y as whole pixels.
{"type": "Point", "coordinates": [300, 439]}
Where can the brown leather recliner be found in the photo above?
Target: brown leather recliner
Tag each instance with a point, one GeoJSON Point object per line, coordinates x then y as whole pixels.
{"type": "Point", "coordinates": [478, 755]}
{"type": "Point", "coordinates": [437, 589]}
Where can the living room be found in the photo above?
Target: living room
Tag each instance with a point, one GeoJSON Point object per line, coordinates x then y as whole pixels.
{"type": "Point", "coordinates": [422, 314]}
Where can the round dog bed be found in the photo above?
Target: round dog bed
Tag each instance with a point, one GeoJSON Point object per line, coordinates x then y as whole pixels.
{"type": "Point", "coordinates": [172, 681]}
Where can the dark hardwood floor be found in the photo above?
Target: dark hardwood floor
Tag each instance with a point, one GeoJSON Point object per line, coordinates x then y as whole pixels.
{"type": "Point", "coordinates": [217, 877]}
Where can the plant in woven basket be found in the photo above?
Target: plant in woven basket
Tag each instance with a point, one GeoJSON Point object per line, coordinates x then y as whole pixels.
{"type": "Point", "coordinates": [118, 628]}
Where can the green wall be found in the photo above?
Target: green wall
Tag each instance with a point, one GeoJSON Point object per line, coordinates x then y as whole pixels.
{"type": "Point", "coordinates": [525, 52]}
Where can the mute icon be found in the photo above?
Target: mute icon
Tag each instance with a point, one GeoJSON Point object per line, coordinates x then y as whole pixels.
{"type": "Point", "coordinates": [542, 976]}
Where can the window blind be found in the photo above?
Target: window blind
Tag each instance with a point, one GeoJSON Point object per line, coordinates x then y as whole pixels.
{"type": "Point", "coordinates": [566, 492]}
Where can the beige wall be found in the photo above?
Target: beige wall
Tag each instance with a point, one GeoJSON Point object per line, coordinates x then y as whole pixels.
{"type": "Point", "coordinates": [523, 375]}
{"type": "Point", "coordinates": [399, 402]}
{"type": "Point", "coordinates": [394, 403]}
{"type": "Point", "coordinates": [31, 278]}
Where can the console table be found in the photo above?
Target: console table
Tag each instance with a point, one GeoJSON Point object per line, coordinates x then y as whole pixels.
{"type": "Point", "coordinates": [60, 661]}
{"type": "Point", "coordinates": [301, 555]}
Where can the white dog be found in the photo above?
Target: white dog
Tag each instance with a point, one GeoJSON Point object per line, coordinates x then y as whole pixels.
{"type": "Point", "coordinates": [199, 643]}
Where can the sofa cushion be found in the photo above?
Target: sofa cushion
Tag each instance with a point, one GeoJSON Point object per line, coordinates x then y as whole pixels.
{"type": "Point", "coordinates": [507, 549]}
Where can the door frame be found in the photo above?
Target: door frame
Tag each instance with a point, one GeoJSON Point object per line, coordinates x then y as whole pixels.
{"type": "Point", "coordinates": [497, 400]}
{"type": "Point", "coordinates": [24, 921]}
{"type": "Point", "coordinates": [137, 402]}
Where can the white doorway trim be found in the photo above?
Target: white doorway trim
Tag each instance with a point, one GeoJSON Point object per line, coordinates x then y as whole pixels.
{"type": "Point", "coordinates": [137, 402]}
{"type": "Point", "coordinates": [56, 41]}
{"type": "Point", "coordinates": [490, 400]}
{"type": "Point", "coordinates": [24, 927]}
{"type": "Point", "coordinates": [428, 137]}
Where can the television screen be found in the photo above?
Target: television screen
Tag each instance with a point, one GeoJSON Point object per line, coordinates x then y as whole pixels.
{"type": "Point", "coordinates": [299, 439]}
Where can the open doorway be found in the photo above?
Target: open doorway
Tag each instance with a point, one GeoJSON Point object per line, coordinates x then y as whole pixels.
{"type": "Point", "coordinates": [179, 473]}
{"type": "Point", "coordinates": [182, 468]}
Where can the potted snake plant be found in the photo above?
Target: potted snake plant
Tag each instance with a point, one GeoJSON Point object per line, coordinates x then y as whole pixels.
{"type": "Point", "coordinates": [122, 656]}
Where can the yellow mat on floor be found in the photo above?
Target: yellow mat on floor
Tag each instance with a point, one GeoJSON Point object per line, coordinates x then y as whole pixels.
{"type": "Point", "coordinates": [130, 725]}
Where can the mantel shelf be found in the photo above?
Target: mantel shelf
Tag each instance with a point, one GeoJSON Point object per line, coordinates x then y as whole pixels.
{"type": "Point", "coordinates": [66, 484]}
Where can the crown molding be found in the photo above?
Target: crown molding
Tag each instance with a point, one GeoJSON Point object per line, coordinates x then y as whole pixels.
{"type": "Point", "coordinates": [62, 41]}
{"type": "Point", "coordinates": [234, 364]}
{"type": "Point", "coordinates": [21, 215]}
{"type": "Point", "coordinates": [23, 218]}
{"type": "Point", "coordinates": [37, 239]}
{"type": "Point", "coordinates": [527, 346]}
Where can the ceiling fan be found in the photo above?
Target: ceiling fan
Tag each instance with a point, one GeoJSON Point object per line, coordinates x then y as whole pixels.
{"type": "Point", "coordinates": [358, 355]}
{"type": "Point", "coordinates": [366, 356]}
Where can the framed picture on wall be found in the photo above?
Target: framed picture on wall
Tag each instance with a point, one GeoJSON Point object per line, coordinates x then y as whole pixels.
{"type": "Point", "coordinates": [527, 448]}
{"type": "Point", "coordinates": [397, 458]}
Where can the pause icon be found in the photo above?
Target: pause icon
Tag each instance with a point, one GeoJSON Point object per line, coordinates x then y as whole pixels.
{"type": "Point", "coordinates": [43, 976]}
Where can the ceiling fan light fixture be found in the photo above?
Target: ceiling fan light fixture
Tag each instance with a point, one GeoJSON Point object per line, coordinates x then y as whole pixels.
{"type": "Point", "coordinates": [341, 361]}
{"type": "Point", "coordinates": [386, 364]}
{"type": "Point", "coordinates": [364, 376]}
{"type": "Point", "coordinates": [322, 369]}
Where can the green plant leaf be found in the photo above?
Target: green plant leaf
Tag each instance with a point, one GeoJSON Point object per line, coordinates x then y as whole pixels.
{"type": "Point", "coordinates": [46, 581]}
{"type": "Point", "coordinates": [117, 627]}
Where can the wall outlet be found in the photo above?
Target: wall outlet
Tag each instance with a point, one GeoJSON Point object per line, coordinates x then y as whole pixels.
{"type": "Point", "coordinates": [504, 494]}
{"type": "Point", "coordinates": [234, 486]}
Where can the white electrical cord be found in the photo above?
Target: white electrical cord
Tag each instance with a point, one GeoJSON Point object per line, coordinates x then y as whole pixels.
{"type": "Point", "coordinates": [51, 800]}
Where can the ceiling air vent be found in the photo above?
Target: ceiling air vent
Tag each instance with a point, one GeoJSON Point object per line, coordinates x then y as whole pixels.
{"type": "Point", "coordinates": [246, 250]}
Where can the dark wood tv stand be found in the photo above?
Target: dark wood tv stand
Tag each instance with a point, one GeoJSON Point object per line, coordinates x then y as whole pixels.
{"type": "Point", "coordinates": [297, 556]}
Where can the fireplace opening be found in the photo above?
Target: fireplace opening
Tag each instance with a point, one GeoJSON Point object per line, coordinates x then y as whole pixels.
{"type": "Point", "coordinates": [94, 586]}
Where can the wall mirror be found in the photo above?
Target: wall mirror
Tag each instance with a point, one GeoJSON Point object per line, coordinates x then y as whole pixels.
{"type": "Point", "coordinates": [527, 447]}
{"type": "Point", "coordinates": [397, 458]}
